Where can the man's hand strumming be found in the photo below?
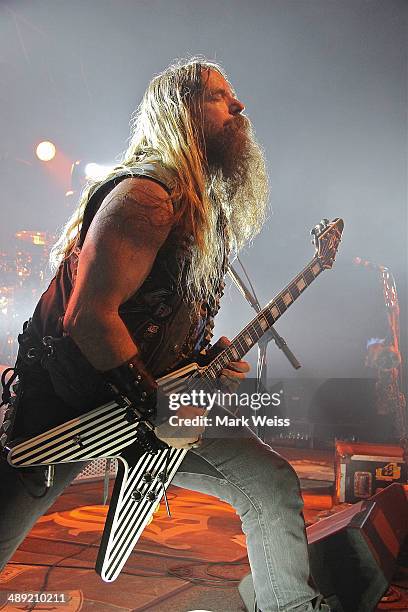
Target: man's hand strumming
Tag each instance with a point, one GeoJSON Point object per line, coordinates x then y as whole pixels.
{"type": "Point", "coordinates": [182, 436]}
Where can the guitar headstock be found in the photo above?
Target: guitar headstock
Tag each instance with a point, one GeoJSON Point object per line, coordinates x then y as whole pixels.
{"type": "Point", "coordinates": [326, 237]}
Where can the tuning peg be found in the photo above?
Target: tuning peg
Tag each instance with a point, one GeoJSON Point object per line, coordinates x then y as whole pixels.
{"type": "Point", "coordinates": [315, 233]}
{"type": "Point", "coordinates": [318, 230]}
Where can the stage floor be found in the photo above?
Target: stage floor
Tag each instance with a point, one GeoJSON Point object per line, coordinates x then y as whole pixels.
{"type": "Point", "coordinates": [193, 561]}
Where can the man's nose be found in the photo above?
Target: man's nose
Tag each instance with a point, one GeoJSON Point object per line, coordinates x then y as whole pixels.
{"type": "Point", "coordinates": [236, 107]}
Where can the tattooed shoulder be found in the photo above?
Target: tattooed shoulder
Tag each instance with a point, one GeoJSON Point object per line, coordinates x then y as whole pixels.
{"type": "Point", "coordinates": [138, 200]}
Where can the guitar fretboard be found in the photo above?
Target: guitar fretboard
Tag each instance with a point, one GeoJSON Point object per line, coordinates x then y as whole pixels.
{"type": "Point", "coordinates": [264, 320]}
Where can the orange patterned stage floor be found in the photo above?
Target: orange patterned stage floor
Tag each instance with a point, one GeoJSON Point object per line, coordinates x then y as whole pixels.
{"type": "Point", "coordinates": [193, 561]}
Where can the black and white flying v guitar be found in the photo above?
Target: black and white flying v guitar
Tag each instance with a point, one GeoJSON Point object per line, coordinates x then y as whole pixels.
{"type": "Point", "coordinates": [107, 431]}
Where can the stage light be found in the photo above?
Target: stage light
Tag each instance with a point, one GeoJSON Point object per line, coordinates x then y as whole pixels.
{"type": "Point", "coordinates": [45, 150]}
{"type": "Point", "coordinates": [96, 171]}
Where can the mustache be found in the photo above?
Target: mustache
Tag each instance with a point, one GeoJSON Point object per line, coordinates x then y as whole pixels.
{"type": "Point", "coordinates": [238, 123]}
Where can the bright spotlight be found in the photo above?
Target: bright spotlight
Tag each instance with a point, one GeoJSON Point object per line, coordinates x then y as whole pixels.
{"type": "Point", "coordinates": [96, 171]}
{"type": "Point", "coordinates": [45, 150]}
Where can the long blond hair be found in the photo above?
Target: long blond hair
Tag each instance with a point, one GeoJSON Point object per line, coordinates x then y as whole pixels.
{"type": "Point", "coordinates": [167, 128]}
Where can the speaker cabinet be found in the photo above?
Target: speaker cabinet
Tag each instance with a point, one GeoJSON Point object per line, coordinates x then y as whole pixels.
{"type": "Point", "coordinates": [353, 554]}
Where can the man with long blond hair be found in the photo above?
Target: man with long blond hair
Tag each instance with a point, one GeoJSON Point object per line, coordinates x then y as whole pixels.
{"type": "Point", "coordinates": [139, 275]}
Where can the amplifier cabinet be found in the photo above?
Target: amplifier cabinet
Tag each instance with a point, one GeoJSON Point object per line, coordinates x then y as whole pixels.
{"type": "Point", "coordinates": [353, 554]}
{"type": "Point", "coordinates": [364, 469]}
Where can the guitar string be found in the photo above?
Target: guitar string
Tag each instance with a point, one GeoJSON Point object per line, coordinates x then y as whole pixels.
{"type": "Point", "coordinates": [239, 342]}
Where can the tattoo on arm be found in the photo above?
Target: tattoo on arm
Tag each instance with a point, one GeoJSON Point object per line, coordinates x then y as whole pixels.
{"type": "Point", "coordinates": [138, 215]}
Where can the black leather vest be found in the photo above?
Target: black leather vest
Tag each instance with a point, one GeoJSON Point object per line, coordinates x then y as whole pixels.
{"type": "Point", "coordinates": [163, 324]}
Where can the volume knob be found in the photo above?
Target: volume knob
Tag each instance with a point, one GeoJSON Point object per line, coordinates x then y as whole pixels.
{"type": "Point", "coordinates": [136, 495]}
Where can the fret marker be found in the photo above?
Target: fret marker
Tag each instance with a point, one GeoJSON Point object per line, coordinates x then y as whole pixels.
{"type": "Point", "coordinates": [248, 340]}
{"type": "Point", "coordinates": [234, 353]}
{"type": "Point", "coordinates": [287, 298]}
{"type": "Point", "coordinates": [263, 323]}
{"type": "Point", "coordinates": [301, 284]}
{"type": "Point", "coordinates": [275, 312]}
{"type": "Point", "coordinates": [316, 269]}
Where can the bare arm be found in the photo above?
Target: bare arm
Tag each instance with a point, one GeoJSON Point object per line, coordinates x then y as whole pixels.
{"type": "Point", "coordinates": [120, 247]}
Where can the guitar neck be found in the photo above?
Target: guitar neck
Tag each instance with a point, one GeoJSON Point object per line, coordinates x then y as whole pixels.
{"type": "Point", "coordinates": [264, 320]}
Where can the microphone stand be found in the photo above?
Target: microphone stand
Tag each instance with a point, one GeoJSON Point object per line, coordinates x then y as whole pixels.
{"type": "Point", "coordinates": [271, 334]}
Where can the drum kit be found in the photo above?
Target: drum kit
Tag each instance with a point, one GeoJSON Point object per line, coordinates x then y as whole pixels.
{"type": "Point", "coordinates": [24, 272]}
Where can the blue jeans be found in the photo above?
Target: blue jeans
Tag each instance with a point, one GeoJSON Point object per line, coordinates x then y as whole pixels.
{"type": "Point", "coordinates": [264, 490]}
{"type": "Point", "coordinates": [24, 498]}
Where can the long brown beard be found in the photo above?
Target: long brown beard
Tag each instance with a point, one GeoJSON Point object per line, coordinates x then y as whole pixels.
{"type": "Point", "coordinates": [226, 149]}
{"type": "Point", "coordinates": [238, 176]}
{"type": "Point", "coordinates": [238, 190]}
